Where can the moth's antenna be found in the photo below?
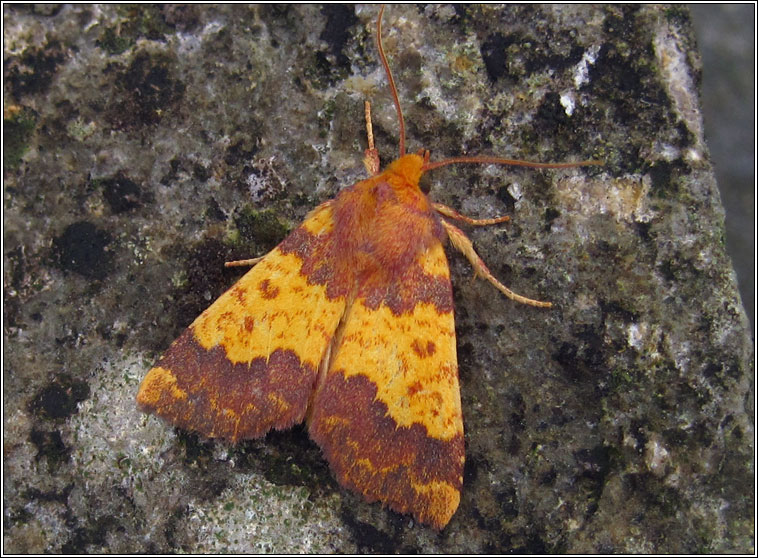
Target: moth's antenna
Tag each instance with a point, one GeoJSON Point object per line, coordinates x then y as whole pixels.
{"type": "Point", "coordinates": [484, 160]}
{"type": "Point", "coordinates": [393, 89]}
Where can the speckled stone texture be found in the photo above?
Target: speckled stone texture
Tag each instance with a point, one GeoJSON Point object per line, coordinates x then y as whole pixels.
{"type": "Point", "coordinates": [144, 146]}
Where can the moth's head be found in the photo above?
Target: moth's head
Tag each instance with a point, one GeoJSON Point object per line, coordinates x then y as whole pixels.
{"type": "Point", "coordinates": [408, 167]}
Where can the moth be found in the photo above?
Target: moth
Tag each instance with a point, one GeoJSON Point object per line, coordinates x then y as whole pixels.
{"type": "Point", "coordinates": [347, 325]}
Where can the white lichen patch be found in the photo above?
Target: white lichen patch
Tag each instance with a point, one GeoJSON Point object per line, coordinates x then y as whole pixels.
{"type": "Point", "coordinates": [365, 87]}
{"type": "Point", "coordinates": [253, 515]}
{"type": "Point", "coordinates": [678, 81]}
{"type": "Point", "coordinates": [644, 338]}
{"type": "Point", "coordinates": [625, 198]}
{"type": "Point", "coordinates": [656, 456]}
{"type": "Point", "coordinates": [514, 189]}
{"type": "Point", "coordinates": [582, 69]}
{"type": "Point", "coordinates": [568, 102]}
{"type": "Point", "coordinates": [114, 445]}
{"type": "Point", "coordinates": [112, 440]}
{"type": "Point", "coordinates": [41, 534]}
{"type": "Point", "coordinates": [81, 129]}
{"type": "Point", "coordinates": [263, 181]}
{"type": "Point", "coordinates": [635, 337]}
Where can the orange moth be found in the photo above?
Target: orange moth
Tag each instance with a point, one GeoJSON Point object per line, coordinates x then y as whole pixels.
{"type": "Point", "coordinates": [348, 325]}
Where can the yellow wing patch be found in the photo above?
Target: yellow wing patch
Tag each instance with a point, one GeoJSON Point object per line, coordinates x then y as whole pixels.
{"type": "Point", "coordinates": [411, 359]}
{"type": "Point", "coordinates": [248, 363]}
{"type": "Point", "coordinates": [388, 415]}
{"type": "Point", "coordinates": [272, 307]}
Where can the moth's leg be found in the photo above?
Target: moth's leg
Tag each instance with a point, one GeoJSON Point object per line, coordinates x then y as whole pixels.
{"type": "Point", "coordinates": [244, 263]}
{"type": "Point", "coordinates": [371, 155]}
{"type": "Point", "coordinates": [462, 243]}
{"type": "Point", "coordinates": [453, 214]}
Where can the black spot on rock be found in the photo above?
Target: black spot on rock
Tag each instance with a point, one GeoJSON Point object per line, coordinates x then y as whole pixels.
{"type": "Point", "coordinates": [59, 399]}
{"type": "Point", "coordinates": [242, 149]}
{"type": "Point", "coordinates": [339, 19]}
{"type": "Point", "coordinates": [32, 72]}
{"type": "Point", "coordinates": [368, 538]}
{"type": "Point", "coordinates": [307, 468]}
{"type": "Point", "coordinates": [82, 248]}
{"type": "Point", "coordinates": [551, 112]}
{"type": "Point", "coordinates": [121, 193]}
{"type": "Point", "coordinates": [493, 53]}
{"type": "Point", "coordinates": [148, 88]}
{"type": "Point", "coordinates": [507, 499]}
{"type": "Point", "coordinates": [95, 534]}
{"type": "Point", "coordinates": [50, 445]}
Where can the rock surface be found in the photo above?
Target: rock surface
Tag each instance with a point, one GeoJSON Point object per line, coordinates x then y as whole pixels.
{"type": "Point", "coordinates": [146, 145]}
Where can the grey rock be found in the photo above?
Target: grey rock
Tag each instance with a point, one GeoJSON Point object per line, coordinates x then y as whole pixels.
{"type": "Point", "coordinates": [153, 143]}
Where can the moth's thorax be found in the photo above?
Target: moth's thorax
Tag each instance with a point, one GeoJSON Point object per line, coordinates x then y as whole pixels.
{"type": "Point", "coordinates": [384, 222]}
{"type": "Point", "coordinates": [405, 170]}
